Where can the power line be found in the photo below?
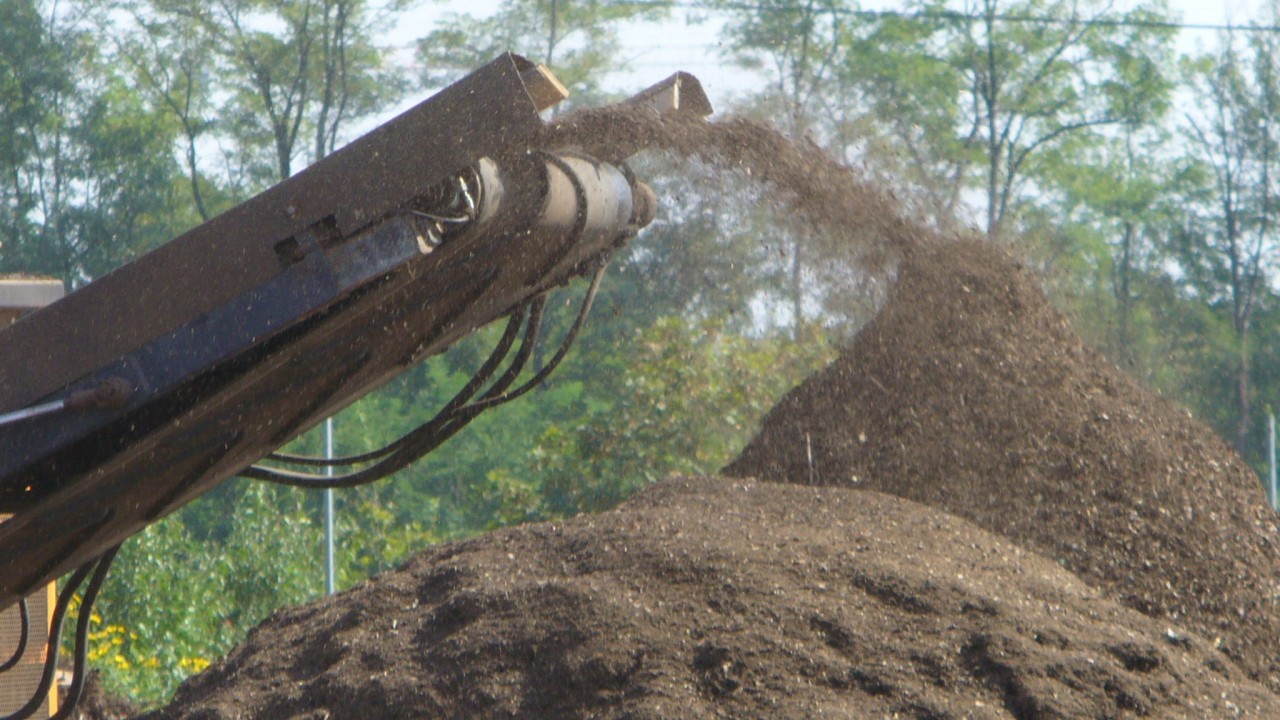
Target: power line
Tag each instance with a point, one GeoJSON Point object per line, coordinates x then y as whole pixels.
{"type": "Point", "coordinates": [937, 16]}
{"type": "Point", "coordinates": [953, 16]}
{"type": "Point", "coordinates": [941, 15]}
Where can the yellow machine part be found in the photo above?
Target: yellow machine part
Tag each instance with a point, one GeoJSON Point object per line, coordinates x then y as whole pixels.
{"type": "Point", "coordinates": [19, 683]}
{"type": "Point", "coordinates": [18, 296]}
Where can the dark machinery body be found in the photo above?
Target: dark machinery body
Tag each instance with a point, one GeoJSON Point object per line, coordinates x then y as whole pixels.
{"type": "Point", "coordinates": [186, 366]}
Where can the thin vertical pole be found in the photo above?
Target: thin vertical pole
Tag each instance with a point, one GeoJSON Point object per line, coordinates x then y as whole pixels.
{"type": "Point", "coordinates": [1271, 459]}
{"type": "Point", "coordinates": [329, 580]}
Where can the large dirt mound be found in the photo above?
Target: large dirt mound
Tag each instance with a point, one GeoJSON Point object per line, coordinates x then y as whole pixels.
{"type": "Point", "coordinates": [969, 393]}
{"type": "Point", "coordinates": [707, 598]}
{"type": "Point", "coordinates": [716, 598]}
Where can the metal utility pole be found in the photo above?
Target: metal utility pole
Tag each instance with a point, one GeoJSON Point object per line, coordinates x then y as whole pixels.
{"type": "Point", "coordinates": [1271, 459]}
{"type": "Point", "coordinates": [329, 580]}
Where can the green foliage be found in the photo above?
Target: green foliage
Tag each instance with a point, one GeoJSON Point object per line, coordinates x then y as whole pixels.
{"type": "Point", "coordinates": [797, 44]}
{"type": "Point", "coordinates": [32, 69]}
{"type": "Point", "coordinates": [287, 77]}
{"type": "Point", "coordinates": [688, 404]}
{"type": "Point", "coordinates": [86, 168]}
{"type": "Point", "coordinates": [177, 602]}
{"type": "Point", "coordinates": [372, 535]}
{"type": "Point", "coordinates": [909, 86]}
{"type": "Point", "coordinates": [621, 413]}
{"type": "Point", "coordinates": [1227, 246]}
{"type": "Point", "coordinates": [576, 39]}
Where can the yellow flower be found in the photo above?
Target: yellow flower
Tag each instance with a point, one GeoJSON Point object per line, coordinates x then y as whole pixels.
{"type": "Point", "coordinates": [194, 664]}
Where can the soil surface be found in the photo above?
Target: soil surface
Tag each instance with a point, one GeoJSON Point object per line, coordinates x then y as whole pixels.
{"type": "Point", "coordinates": [96, 703]}
{"type": "Point", "coordinates": [708, 598]}
{"type": "Point", "coordinates": [1117, 560]}
{"type": "Point", "coordinates": [969, 393]}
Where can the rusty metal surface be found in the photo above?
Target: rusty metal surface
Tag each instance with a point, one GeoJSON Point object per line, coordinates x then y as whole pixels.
{"type": "Point", "coordinates": [236, 415]}
{"type": "Point", "coordinates": [478, 116]}
{"type": "Point", "coordinates": [680, 93]}
{"type": "Point", "coordinates": [228, 380]}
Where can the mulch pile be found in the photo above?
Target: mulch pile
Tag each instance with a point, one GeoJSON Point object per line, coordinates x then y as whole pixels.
{"type": "Point", "coordinates": [970, 394]}
{"type": "Point", "coordinates": [96, 703]}
{"type": "Point", "coordinates": [711, 598]}
{"type": "Point", "coordinates": [1116, 559]}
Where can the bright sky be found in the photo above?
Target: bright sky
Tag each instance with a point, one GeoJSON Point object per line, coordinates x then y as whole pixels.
{"type": "Point", "coordinates": [653, 51]}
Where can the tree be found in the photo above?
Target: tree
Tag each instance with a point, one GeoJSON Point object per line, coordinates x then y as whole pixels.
{"type": "Point", "coordinates": [712, 254]}
{"type": "Point", "coordinates": [973, 98]}
{"type": "Point", "coordinates": [1035, 75]}
{"type": "Point", "coordinates": [797, 43]}
{"type": "Point", "coordinates": [687, 400]}
{"type": "Point", "coordinates": [177, 601]}
{"type": "Point", "coordinates": [908, 120]}
{"type": "Point", "coordinates": [1122, 197]}
{"type": "Point", "coordinates": [296, 73]}
{"type": "Point", "coordinates": [1227, 247]}
{"type": "Point", "coordinates": [86, 174]}
{"type": "Point", "coordinates": [989, 100]}
{"type": "Point", "coordinates": [32, 70]}
{"type": "Point", "coordinates": [576, 39]}
{"type": "Point", "coordinates": [175, 64]}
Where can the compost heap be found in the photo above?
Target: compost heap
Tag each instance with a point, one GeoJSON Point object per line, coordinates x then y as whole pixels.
{"type": "Point", "coordinates": [705, 598]}
{"type": "Point", "coordinates": [96, 703]}
{"type": "Point", "coordinates": [970, 394]}
{"type": "Point", "coordinates": [717, 597]}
